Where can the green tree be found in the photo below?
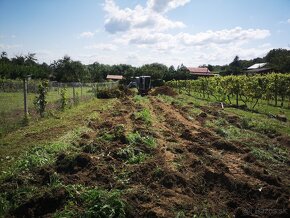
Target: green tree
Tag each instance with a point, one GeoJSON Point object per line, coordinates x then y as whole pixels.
{"type": "Point", "coordinates": [279, 60]}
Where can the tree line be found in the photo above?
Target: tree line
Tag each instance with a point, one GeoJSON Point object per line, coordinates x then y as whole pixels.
{"type": "Point", "coordinates": [278, 60]}
{"type": "Point", "coordinates": [68, 70]}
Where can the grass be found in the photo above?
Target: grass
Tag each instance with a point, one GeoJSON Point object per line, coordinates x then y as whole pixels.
{"type": "Point", "coordinates": [40, 156]}
{"type": "Point", "coordinates": [94, 202]}
{"type": "Point", "coordinates": [43, 132]}
{"type": "Point", "coordinates": [131, 153]}
{"type": "Point", "coordinates": [11, 101]}
{"type": "Point", "coordinates": [11, 107]}
{"type": "Point", "coordinates": [144, 115]}
{"type": "Point", "coordinates": [141, 99]}
{"type": "Point", "coordinates": [135, 138]}
{"type": "Point", "coordinates": [271, 153]}
{"type": "Point", "coordinates": [261, 122]}
{"type": "Point", "coordinates": [262, 107]}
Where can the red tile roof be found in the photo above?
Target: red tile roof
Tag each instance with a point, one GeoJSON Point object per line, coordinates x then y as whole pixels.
{"type": "Point", "coordinates": [199, 70]}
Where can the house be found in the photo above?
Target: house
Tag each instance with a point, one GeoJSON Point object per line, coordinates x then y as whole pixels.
{"type": "Point", "coordinates": [258, 68]}
{"type": "Point", "coordinates": [200, 71]}
{"type": "Point", "coordinates": [114, 77]}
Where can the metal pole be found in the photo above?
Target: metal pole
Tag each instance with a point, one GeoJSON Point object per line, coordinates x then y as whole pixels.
{"type": "Point", "coordinates": [25, 97]}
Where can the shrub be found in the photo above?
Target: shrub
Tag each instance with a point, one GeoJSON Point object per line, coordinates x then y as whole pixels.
{"type": "Point", "coordinates": [40, 100]}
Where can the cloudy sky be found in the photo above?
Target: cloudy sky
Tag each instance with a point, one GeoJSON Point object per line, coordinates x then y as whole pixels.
{"type": "Point", "coordinates": [192, 32]}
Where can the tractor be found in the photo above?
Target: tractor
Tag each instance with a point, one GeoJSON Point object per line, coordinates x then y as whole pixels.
{"type": "Point", "coordinates": [142, 83]}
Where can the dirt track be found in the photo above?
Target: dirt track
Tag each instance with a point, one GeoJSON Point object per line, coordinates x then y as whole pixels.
{"type": "Point", "coordinates": [191, 170]}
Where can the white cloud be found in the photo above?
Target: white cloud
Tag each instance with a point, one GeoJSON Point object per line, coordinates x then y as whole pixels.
{"type": "Point", "coordinates": [102, 46]}
{"type": "Point", "coordinates": [288, 21]}
{"type": "Point", "coordinates": [162, 6]}
{"type": "Point", "coordinates": [8, 46]}
{"type": "Point", "coordinates": [122, 20]}
{"type": "Point", "coordinates": [163, 41]}
{"type": "Point", "coordinates": [144, 30]}
{"type": "Point", "coordinates": [87, 34]}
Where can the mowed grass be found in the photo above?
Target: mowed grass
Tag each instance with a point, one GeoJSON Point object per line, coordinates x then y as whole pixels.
{"type": "Point", "coordinates": [44, 131]}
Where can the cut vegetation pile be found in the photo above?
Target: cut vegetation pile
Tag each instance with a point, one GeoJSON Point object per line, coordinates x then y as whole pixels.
{"type": "Point", "coordinates": [150, 157]}
{"type": "Point", "coordinates": [164, 90]}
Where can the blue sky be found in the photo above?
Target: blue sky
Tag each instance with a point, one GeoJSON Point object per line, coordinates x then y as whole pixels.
{"type": "Point", "coordinates": [192, 32]}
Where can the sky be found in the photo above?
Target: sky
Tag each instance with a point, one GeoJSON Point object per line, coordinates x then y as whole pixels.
{"type": "Point", "coordinates": [137, 32]}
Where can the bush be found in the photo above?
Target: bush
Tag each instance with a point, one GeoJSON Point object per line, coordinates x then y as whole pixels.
{"type": "Point", "coordinates": [40, 100]}
{"type": "Point", "coordinates": [109, 93]}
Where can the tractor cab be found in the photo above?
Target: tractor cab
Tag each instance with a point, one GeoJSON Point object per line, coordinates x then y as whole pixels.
{"type": "Point", "coordinates": [142, 83]}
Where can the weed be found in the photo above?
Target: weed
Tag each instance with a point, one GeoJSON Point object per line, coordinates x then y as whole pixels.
{"type": "Point", "coordinates": [271, 153]}
{"type": "Point", "coordinates": [141, 100]}
{"type": "Point", "coordinates": [137, 159]}
{"type": "Point", "coordinates": [119, 131]}
{"type": "Point", "coordinates": [264, 128]}
{"type": "Point", "coordinates": [149, 141]}
{"type": "Point", "coordinates": [246, 123]}
{"type": "Point", "coordinates": [94, 202]}
{"type": "Point", "coordinates": [158, 171]}
{"type": "Point", "coordinates": [180, 214]}
{"type": "Point", "coordinates": [54, 180]}
{"type": "Point", "coordinates": [131, 155]}
{"type": "Point", "coordinates": [39, 156]}
{"type": "Point", "coordinates": [14, 198]}
{"type": "Point", "coordinates": [91, 148]}
{"type": "Point", "coordinates": [220, 131]}
{"type": "Point", "coordinates": [144, 115]}
{"type": "Point", "coordinates": [4, 204]}
{"type": "Point", "coordinates": [136, 138]}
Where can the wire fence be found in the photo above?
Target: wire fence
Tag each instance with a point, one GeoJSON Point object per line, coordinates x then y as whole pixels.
{"type": "Point", "coordinates": [12, 109]}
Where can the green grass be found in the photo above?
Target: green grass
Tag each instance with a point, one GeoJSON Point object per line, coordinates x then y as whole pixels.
{"type": "Point", "coordinates": [141, 99]}
{"type": "Point", "coordinates": [51, 129]}
{"type": "Point", "coordinates": [259, 122]}
{"type": "Point", "coordinates": [262, 107]}
{"type": "Point", "coordinates": [271, 153]}
{"type": "Point", "coordinates": [11, 101]}
{"type": "Point", "coordinates": [11, 107]}
{"type": "Point", "coordinates": [131, 155]}
{"type": "Point", "coordinates": [144, 115]}
{"type": "Point", "coordinates": [135, 139]}
{"type": "Point", "coordinates": [262, 122]}
{"type": "Point", "coordinates": [94, 202]}
{"type": "Point", "coordinates": [41, 155]}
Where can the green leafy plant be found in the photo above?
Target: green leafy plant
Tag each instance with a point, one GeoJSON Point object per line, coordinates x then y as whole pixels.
{"type": "Point", "coordinates": [63, 99]}
{"type": "Point", "coordinates": [40, 100]}
{"type": "Point", "coordinates": [135, 139]}
{"type": "Point", "coordinates": [94, 203]}
{"type": "Point", "coordinates": [144, 115]}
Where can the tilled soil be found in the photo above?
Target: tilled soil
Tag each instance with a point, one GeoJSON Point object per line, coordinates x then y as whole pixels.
{"type": "Point", "coordinates": [191, 169]}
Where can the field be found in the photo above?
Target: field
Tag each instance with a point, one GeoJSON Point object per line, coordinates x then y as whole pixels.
{"type": "Point", "coordinates": [12, 103]}
{"type": "Point", "coordinates": [155, 156]}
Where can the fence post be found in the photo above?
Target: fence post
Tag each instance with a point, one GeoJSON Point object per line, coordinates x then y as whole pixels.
{"type": "Point", "coordinates": [25, 97]}
{"type": "Point", "coordinates": [74, 94]}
